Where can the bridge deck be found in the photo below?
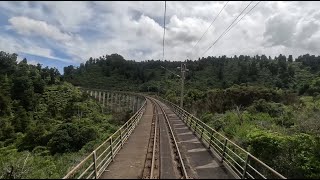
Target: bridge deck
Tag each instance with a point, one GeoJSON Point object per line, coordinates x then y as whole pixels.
{"type": "Point", "coordinates": [201, 163]}
{"type": "Point", "coordinates": [129, 162]}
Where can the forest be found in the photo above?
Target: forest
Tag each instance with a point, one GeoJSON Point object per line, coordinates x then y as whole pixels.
{"type": "Point", "coordinates": [47, 125]}
{"type": "Point", "coordinates": [268, 105]}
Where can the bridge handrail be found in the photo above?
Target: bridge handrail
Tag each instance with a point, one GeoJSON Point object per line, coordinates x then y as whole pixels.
{"type": "Point", "coordinates": [242, 167]}
{"type": "Point", "coordinates": [99, 159]}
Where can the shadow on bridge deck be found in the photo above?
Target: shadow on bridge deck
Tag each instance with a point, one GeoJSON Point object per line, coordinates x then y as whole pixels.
{"type": "Point", "coordinates": [129, 162]}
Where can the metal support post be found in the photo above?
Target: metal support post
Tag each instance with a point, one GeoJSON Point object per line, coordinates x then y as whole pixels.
{"type": "Point", "coordinates": [224, 149]}
{"type": "Point", "coordinates": [103, 99]}
{"type": "Point", "coordinates": [95, 164]}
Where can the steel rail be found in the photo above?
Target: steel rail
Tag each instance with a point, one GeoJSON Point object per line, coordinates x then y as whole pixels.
{"type": "Point", "coordinates": [154, 143]}
{"type": "Point", "coordinates": [148, 171]}
{"type": "Point", "coordinates": [184, 172]}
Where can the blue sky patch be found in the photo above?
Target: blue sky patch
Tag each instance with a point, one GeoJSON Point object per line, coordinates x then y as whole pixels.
{"type": "Point", "coordinates": [44, 61]}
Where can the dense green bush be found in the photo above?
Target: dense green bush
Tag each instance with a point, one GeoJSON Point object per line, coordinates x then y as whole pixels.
{"type": "Point", "coordinates": [294, 156]}
{"type": "Point", "coordinates": [46, 126]}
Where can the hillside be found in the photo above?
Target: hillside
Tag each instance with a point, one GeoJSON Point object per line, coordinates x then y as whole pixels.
{"type": "Point", "coordinates": [46, 125]}
{"type": "Point", "coordinates": [269, 106]}
{"type": "Point", "coordinates": [114, 72]}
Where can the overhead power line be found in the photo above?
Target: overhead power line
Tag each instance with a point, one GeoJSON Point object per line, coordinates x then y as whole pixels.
{"type": "Point", "coordinates": [243, 16]}
{"type": "Point", "coordinates": [210, 25]}
{"type": "Point", "coordinates": [164, 28]}
{"type": "Point", "coordinates": [227, 29]}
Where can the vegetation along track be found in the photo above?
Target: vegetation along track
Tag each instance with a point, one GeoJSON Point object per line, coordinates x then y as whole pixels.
{"type": "Point", "coordinates": [176, 163]}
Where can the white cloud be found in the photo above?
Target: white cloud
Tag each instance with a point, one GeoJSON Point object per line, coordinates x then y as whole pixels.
{"type": "Point", "coordinates": [70, 16]}
{"type": "Point", "coordinates": [33, 62]}
{"type": "Point", "coordinates": [27, 26]}
{"type": "Point", "coordinates": [12, 45]}
{"type": "Point", "coordinates": [134, 29]}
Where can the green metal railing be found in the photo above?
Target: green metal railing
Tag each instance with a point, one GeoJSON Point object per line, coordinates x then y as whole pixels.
{"type": "Point", "coordinates": [240, 162]}
{"type": "Point", "coordinates": [93, 166]}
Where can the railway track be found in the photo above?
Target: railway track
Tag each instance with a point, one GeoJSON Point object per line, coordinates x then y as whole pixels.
{"type": "Point", "coordinates": [151, 164]}
{"type": "Point", "coordinates": [166, 141]}
{"type": "Point", "coordinates": [163, 158]}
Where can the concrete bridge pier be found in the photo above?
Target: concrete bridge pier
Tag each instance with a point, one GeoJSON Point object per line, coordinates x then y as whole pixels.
{"type": "Point", "coordinates": [112, 101]}
{"type": "Point", "coordinates": [119, 102]}
{"type": "Point", "coordinates": [130, 103]}
{"type": "Point", "coordinates": [123, 101]}
{"type": "Point", "coordinates": [97, 96]}
{"type": "Point", "coordinates": [103, 99]}
{"type": "Point", "coordinates": [135, 104]}
{"type": "Point", "coordinates": [108, 99]}
{"type": "Point", "coordinates": [127, 102]}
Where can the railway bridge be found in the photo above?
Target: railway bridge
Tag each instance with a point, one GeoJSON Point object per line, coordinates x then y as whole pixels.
{"type": "Point", "coordinates": [162, 140]}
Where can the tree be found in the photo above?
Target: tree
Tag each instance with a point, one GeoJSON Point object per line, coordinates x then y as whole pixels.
{"type": "Point", "coordinates": [69, 137]}
{"type": "Point", "coordinates": [290, 59]}
{"type": "Point", "coordinates": [61, 142]}
{"type": "Point", "coordinates": [7, 63]}
{"type": "Point", "coordinates": [5, 100]}
{"type": "Point", "coordinates": [243, 73]}
{"type": "Point", "coordinates": [291, 71]}
{"type": "Point", "coordinates": [53, 74]}
{"type": "Point", "coordinates": [21, 120]}
{"type": "Point", "coordinates": [39, 85]}
{"type": "Point", "coordinates": [68, 70]}
{"type": "Point", "coordinates": [273, 68]}
{"type": "Point", "coordinates": [6, 130]}
{"type": "Point", "coordinates": [253, 69]}
{"type": "Point", "coordinates": [282, 63]}
{"type": "Point", "coordinates": [35, 136]}
{"type": "Point", "coordinates": [23, 90]}
{"type": "Point", "coordinates": [220, 73]}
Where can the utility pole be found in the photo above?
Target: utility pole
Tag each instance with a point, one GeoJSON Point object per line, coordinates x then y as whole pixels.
{"type": "Point", "coordinates": [183, 69]}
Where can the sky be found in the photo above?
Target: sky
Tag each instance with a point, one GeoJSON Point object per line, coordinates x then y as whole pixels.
{"type": "Point", "coordinates": [58, 34]}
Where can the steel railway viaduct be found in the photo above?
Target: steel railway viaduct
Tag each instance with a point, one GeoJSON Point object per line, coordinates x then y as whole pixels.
{"type": "Point", "coordinates": [162, 140]}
